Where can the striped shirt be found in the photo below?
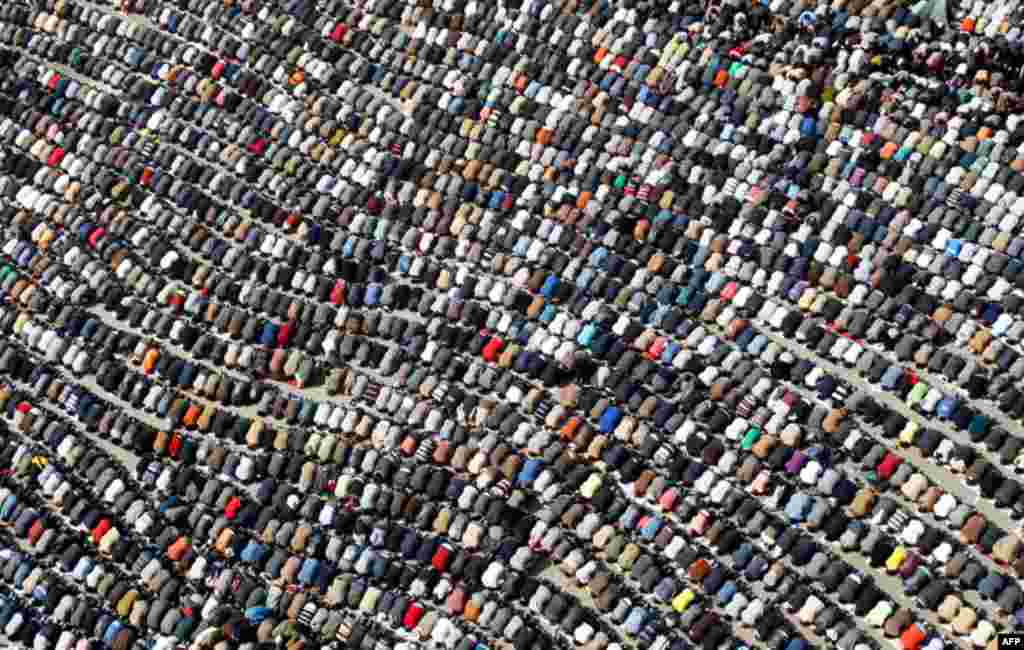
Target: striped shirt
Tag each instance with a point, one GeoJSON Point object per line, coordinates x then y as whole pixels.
{"type": "Point", "coordinates": [425, 451]}
{"type": "Point", "coordinates": [307, 613]}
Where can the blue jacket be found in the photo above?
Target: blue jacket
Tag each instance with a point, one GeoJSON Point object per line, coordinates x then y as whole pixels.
{"type": "Point", "coordinates": [726, 592]}
{"type": "Point", "coordinates": [745, 338]}
{"type": "Point", "coordinates": [636, 619]}
{"type": "Point", "coordinates": [83, 568]}
{"type": "Point", "coordinates": [585, 277]}
{"type": "Point", "coordinates": [531, 470]}
{"type": "Point", "coordinates": [757, 568]}
{"type": "Point", "coordinates": [667, 294]}
{"type": "Point", "coordinates": [947, 407]}
{"type": "Point", "coordinates": [89, 328]}
{"type": "Point", "coordinates": [549, 314]}
{"type": "Point", "coordinates": [9, 506]}
{"type": "Point", "coordinates": [587, 334]}
{"type": "Point", "coordinates": [309, 571]}
{"type": "Point", "coordinates": [796, 644]}
{"type": "Point", "coordinates": [373, 294]}
{"type": "Point", "coordinates": [798, 507]}
{"type": "Point", "coordinates": [891, 377]}
{"type": "Point", "coordinates": [379, 568]}
{"type": "Point", "coordinates": [426, 551]}
{"type": "Point", "coordinates": [269, 336]}
{"type": "Point", "coordinates": [992, 585]}
{"type": "Point", "coordinates": [522, 362]}
{"type": "Point", "coordinates": [713, 581]}
{"type": "Point", "coordinates": [8, 607]}
{"type": "Point", "coordinates": [111, 632]}
{"type": "Point", "coordinates": [257, 615]}
{"type": "Point", "coordinates": [663, 414]}
{"type": "Point", "coordinates": [349, 248]}
{"type": "Point", "coordinates": [629, 518]}
{"type": "Point", "coordinates": [187, 374]}
{"type": "Point", "coordinates": [22, 573]}
{"type": "Point", "coordinates": [24, 522]}
{"type": "Point", "coordinates": [742, 556]}
{"type": "Point", "coordinates": [665, 589]}
{"type": "Point", "coordinates": [651, 528]}
{"type": "Point", "coordinates": [610, 419]}
{"type": "Point", "coordinates": [254, 552]}
{"type": "Point", "coordinates": [410, 542]}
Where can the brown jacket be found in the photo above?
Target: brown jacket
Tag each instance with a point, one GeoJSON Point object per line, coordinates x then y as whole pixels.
{"type": "Point", "coordinates": [298, 601]}
{"type": "Point", "coordinates": [964, 621]}
{"type": "Point", "coordinates": [224, 540]}
{"type": "Point", "coordinates": [748, 469]}
{"type": "Point", "coordinates": [699, 570]}
{"type": "Point", "coordinates": [926, 502]}
{"type": "Point", "coordinates": [863, 503]}
{"type": "Point", "coordinates": [972, 530]}
{"type": "Point", "coordinates": [1006, 550]}
{"type": "Point", "coordinates": [596, 447]}
{"type": "Point", "coordinates": [598, 584]}
{"type": "Point", "coordinates": [949, 607]}
{"type": "Point", "coordinates": [980, 341]}
{"type": "Point", "coordinates": [511, 466]}
{"type": "Point", "coordinates": [123, 640]}
{"type": "Point", "coordinates": [160, 442]}
{"type": "Point", "coordinates": [301, 538]}
{"type": "Point", "coordinates": [472, 610]}
{"type": "Point", "coordinates": [714, 532]}
{"type": "Point", "coordinates": [764, 446]}
{"type": "Point", "coordinates": [834, 420]}
{"type": "Point", "coordinates": [899, 621]}
{"type": "Point", "coordinates": [460, 459]}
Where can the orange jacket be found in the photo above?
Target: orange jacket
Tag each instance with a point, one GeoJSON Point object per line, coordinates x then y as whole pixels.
{"type": "Point", "coordinates": [149, 361]}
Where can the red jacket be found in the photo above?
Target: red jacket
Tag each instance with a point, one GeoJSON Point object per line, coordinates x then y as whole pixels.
{"type": "Point", "coordinates": [231, 510]}
{"type": "Point", "coordinates": [492, 349]}
{"type": "Point", "coordinates": [888, 466]}
{"type": "Point", "coordinates": [374, 205]}
{"type": "Point", "coordinates": [912, 637]}
{"type": "Point", "coordinates": [412, 616]}
{"type": "Point", "coordinates": [36, 531]}
{"type": "Point", "coordinates": [178, 549]}
{"type": "Point", "coordinates": [456, 601]}
{"type": "Point", "coordinates": [668, 499]}
{"type": "Point", "coordinates": [176, 300]}
{"type": "Point", "coordinates": [55, 157]}
{"type": "Point", "coordinates": [338, 293]}
{"type": "Point", "coordinates": [96, 236]}
{"type": "Point", "coordinates": [284, 335]}
{"type": "Point", "coordinates": [729, 291]}
{"type": "Point", "coordinates": [441, 557]}
{"type": "Point", "coordinates": [657, 348]}
{"type": "Point", "coordinates": [174, 448]}
{"type": "Point", "coordinates": [100, 530]}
